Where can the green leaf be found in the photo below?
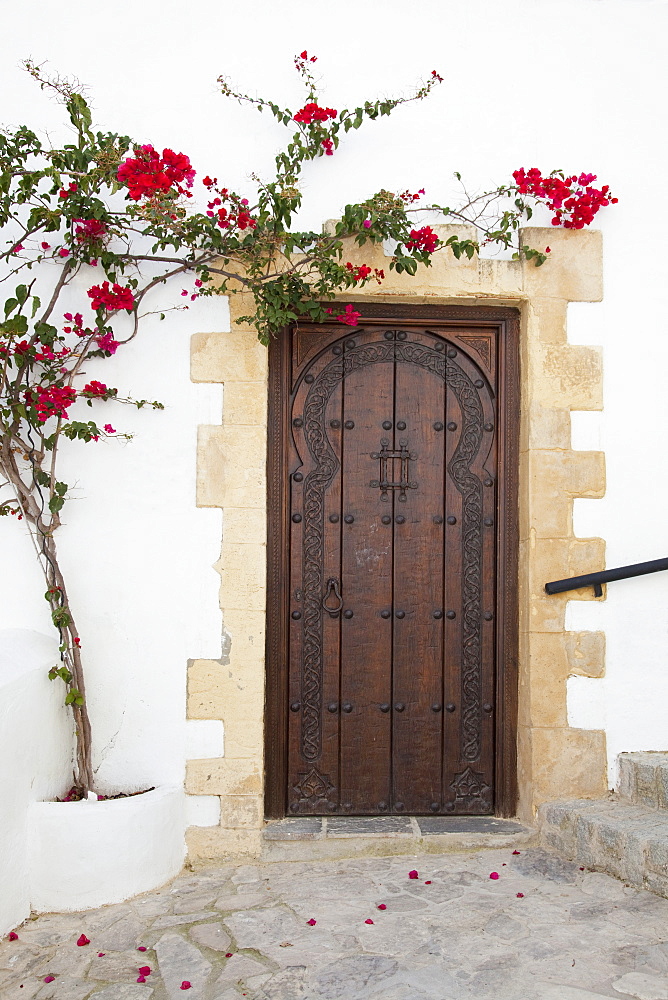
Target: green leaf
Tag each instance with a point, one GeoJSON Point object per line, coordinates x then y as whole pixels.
{"type": "Point", "coordinates": [10, 306]}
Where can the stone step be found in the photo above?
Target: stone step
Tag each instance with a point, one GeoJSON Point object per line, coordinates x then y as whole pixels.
{"type": "Point", "coordinates": [307, 838]}
{"type": "Point", "coordinates": [611, 835]}
{"type": "Point", "coordinates": [643, 778]}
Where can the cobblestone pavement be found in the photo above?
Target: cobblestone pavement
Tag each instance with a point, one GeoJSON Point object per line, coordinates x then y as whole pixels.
{"type": "Point", "coordinates": [361, 929]}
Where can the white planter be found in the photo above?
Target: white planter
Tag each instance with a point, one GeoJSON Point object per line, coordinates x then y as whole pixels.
{"type": "Point", "coordinates": [87, 854]}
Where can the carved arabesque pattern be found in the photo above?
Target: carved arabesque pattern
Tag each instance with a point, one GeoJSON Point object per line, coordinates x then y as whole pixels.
{"type": "Point", "coordinates": [316, 483]}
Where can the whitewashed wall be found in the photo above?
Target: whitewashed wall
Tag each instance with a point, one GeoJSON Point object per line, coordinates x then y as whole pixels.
{"type": "Point", "coordinates": [580, 85]}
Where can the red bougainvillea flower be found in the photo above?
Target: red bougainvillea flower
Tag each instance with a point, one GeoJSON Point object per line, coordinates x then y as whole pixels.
{"type": "Point", "coordinates": [424, 239]}
{"type": "Point", "coordinates": [328, 146]}
{"type": "Point", "coordinates": [94, 388]}
{"type": "Point", "coordinates": [145, 970]}
{"type": "Point", "coordinates": [185, 985]}
{"type": "Point", "coordinates": [46, 246]}
{"type": "Point", "coordinates": [311, 922]}
{"type": "Point", "coordinates": [494, 875]}
{"type": "Point", "coordinates": [82, 940]}
{"type": "Point", "coordinates": [358, 273]}
{"type": "Point", "coordinates": [72, 187]}
{"type": "Point", "coordinates": [52, 401]}
{"type": "Point", "coordinates": [141, 947]}
{"type": "Point", "coordinates": [89, 230]}
{"type": "Point", "coordinates": [520, 895]}
{"type": "Point", "coordinates": [381, 906]}
{"type": "Point", "coordinates": [49, 979]}
{"type": "Point", "coordinates": [573, 199]}
{"type": "Point", "coordinates": [368, 920]}
{"type": "Point", "coordinates": [63, 252]}
{"type": "Point", "coordinates": [12, 936]}
{"type": "Point", "coordinates": [148, 173]}
{"type": "Point", "coordinates": [349, 317]}
{"type": "Point", "coordinates": [413, 874]}
{"type": "Point", "coordinates": [314, 113]}
{"type": "Point", "coordinates": [112, 299]}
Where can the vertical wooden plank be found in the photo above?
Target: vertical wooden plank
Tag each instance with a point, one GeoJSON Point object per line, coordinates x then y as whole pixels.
{"type": "Point", "coordinates": [366, 585]}
{"type": "Point", "coordinates": [418, 587]}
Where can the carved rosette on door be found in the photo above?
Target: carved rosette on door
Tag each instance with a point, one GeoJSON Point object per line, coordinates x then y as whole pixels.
{"type": "Point", "coordinates": [393, 465]}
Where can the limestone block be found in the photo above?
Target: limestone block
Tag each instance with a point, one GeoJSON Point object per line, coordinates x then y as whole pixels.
{"type": "Point", "coordinates": [570, 376]}
{"type": "Point", "coordinates": [555, 477]}
{"type": "Point", "coordinates": [568, 763]}
{"type": "Point", "coordinates": [243, 524]}
{"type": "Point", "coordinates": [216, 690]}
{"type": "Point", "coordinates": [245, 403]}
{"type": "Point", "coordinates": [241, 812]}
{"type": "Point", "coordinates": [549, 669]}
{"type": "Point", "coordinates": [244, 727]}
{"type": "Point", "coordinates": [228, 357]}
{"type": "Point", "coordinates": [231, 465]}
{"type": "Point", "coordinates": [545, 325]}
{"type": "Point", "coordinates": [221, 776]}
{"type": "Point", "coordinates": [574, 269]}
{"type": "Point", "coordinates": [206, 844]}
{"type": "Point", "coordinates": [247, 632]}
{"type": "Point", "coordinates": [586, 653]}
{"type": "Point", "coordinates": [243, 576]}
{"type": "Point", "coordinates": [545, 427]}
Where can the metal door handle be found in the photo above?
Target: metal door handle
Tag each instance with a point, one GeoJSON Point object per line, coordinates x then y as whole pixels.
{"type": "Point", "coordinates": [333, 587]}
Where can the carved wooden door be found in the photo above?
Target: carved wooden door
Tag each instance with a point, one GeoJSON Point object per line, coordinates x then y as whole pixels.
{"type": "Point", "coordinates": [392, 507]}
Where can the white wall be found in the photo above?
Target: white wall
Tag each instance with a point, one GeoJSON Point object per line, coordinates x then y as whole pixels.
{"type": "Point", "coordinates": [547, 83]}
{"type": "Point", "coordinates": [36, 755]}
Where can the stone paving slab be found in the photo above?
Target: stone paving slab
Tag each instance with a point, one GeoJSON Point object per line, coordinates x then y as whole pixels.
{"type": "Point", "coordinates": [545, 929]}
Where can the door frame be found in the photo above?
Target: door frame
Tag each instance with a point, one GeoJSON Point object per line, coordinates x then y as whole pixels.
{"type": "Point", "coordinates": [276, 692]}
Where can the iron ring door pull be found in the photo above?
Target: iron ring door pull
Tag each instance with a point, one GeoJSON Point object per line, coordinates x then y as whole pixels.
{"type": "Point", "coordinates": [333, 588]}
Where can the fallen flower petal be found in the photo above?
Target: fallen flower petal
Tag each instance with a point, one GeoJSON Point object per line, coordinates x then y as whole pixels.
{"type": "Point", "coordinates": [141, 979]}
{"type": "Point", "coordinates": [516, 852]}
{"type": "Point", "coordinates": [520, 895]}
{"type": "Point", "coordinates": [145, 970]}
{"type": "Point", "coordinates": [12, 936]}
{"type": "Point", "coordinates": [493, 874]}
{"type": "Point", "coordinates": [83, 940]}
{"type": "Point", "coordinates": [141, 947]}
{"type": "Point", "coordinates": [311, 922]}
{"type": "Point", "coordinates": [413, 874]}
{"type": "Point", "coordinates": [368, 920]}
{"type": "Point", "coordinates": [49, 979]}
{"type": "Point", "coordinates": [381, 906]}
{"type": "Point", "coordinates": [101, 954]}
{"type": "Point", "coordinates": [185, 985]}
{"type": "Point", "coordinates": [428, 882]}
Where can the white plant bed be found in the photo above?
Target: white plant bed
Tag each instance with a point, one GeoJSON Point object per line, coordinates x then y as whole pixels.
{"type": "Point", "coordinates": [87, 854]}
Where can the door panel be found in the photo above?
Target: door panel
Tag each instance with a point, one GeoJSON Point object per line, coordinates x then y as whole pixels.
{"type": "Point", "coordinates": [392, 538]}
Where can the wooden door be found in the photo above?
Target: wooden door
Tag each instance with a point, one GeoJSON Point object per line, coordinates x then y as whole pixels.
{"type": "Point", "coordinates": [390, 520]}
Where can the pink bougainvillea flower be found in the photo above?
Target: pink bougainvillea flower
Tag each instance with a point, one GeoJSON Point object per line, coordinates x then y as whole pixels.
{"type": "Point", "coordinates": [63, 252]}
{"type": "Point", "coordinates": [17, 248]}
{"type": "Point", "coordinates": [141, 947]}
{"type": "Point", "coordinates": [185, 985]}
{"type": "Point", "coordinates": [82, 940]}
{"type": "Point", "coordinates": [520, 895]}
{"type": "Point", "coordinates": [413, 874]}
{"type": "Point", "coordinates": [516, 852]}
{"type": "Point", "coordinates": [494, 875]}
{"type": "Point", "coordinates": [141, 979]}
{"type": "Point", "coordinates": [349, 317]}
{"type": "Point", "coordinates": [367, 223]}
{"type": "Point", "coordinates": [12, 936]}
{"type": "Point", "coordinates": [311, 922]}
{"type": "Point", "coordinates": [111, 430]}
{"type": "Point", "coordinates": [381, 906]}
{"type": "Point", "coordinates": [145, 970]}
{"type": "Point", "coordinates": [46, 246]}
{"type": "Point", "coordinates": [94, 388]}
{"type": "Point", "coordinates": [49, 979]}
{"type": "Point", "coordinates": [368, 920]}
{"type": "Point", "coordinates": [112, 299]}
{"type": "Point", "coordinates": [548, 249]}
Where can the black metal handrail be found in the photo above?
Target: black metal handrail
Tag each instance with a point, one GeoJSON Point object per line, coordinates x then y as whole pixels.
{"type": "Point", "coordinates": [606, 576]}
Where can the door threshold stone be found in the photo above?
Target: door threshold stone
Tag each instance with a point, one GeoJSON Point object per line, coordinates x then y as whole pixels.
{"type": "Point", "coordinates": [314, 837]}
